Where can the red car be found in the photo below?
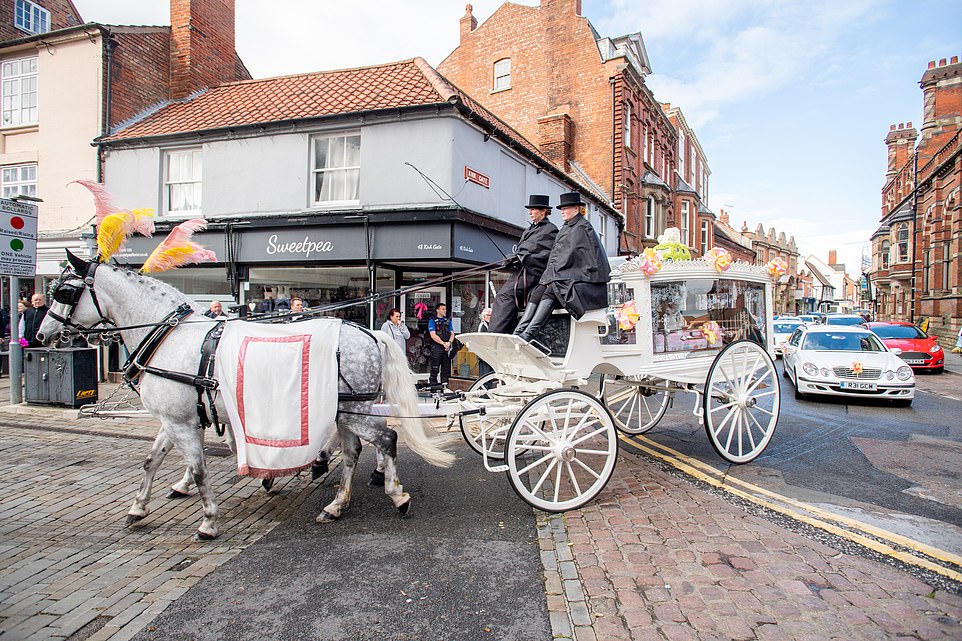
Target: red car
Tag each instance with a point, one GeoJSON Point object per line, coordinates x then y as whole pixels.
{"type": "Point", "coordinates": [919, 350]}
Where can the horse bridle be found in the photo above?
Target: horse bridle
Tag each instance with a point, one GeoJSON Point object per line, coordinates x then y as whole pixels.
{"type": "Point", "coordinates": [68, 294]}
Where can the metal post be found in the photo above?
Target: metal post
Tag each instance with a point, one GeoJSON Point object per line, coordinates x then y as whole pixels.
{"type": "Point", "coordinates": [371, 280]}
{"type": "Point", "coordinates": [16, 352]}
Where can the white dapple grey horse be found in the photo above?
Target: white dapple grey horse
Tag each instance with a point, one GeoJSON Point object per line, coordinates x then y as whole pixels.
{"type": "Point", "coordinates": [91, 295]}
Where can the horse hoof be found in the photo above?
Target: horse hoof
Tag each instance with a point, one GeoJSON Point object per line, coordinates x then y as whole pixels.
{"type": "Point", "coordinates": [133, 518]}
{"type": "Point", "coordinates": [377, 479]}
{"type": "Point", "coordinates": [318, 469]}
{"type": "Point", "coordinates": [326, 517]}
{"type": "Point", "coordinates": [204, 536]}
{"type": "Point", "coordinates": [177, 494]}
{"type": "Point", "coordinates": [404, 509]}
{"type": "Point", "coordinates": [267, 484]}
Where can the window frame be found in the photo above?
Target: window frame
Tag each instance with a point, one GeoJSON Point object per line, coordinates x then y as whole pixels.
{"type": "Point", "coordinates": [497, 76]}
{"type": "Point", "coordinates": [650, 217]}
{"type": "Point", "coordinates": [20, 181]}
{"type": "Point", "coordinates": [885, 253]}
{"type": "Point", "coordinates": [197, 181]}
{"type": "Point", "coordinates": [683, 225]}
{"type": "Point", "coordinates": [342, 170]}
{"type": "Point", "coordinates": [681, 154]}
{"type": "Point", "coordinates": [32, 13]}
{"type": "Point", "coordinates": [627, 108]}
{"type": "Point", "coordinates": [19, 79]}
{"type": "Point", "coordinates": [902, 242]}
{"type": "Point", "coordinates": [704, 237]}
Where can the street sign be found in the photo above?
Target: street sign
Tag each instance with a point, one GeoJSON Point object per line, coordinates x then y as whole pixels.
{"type": "Point", "coordinates": [18, 238]}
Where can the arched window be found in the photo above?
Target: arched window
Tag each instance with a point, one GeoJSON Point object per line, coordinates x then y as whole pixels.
{"type": "Point", "coordinates": [903, 242]}
{"type": "Point", "coordinates": [502, 74]}
{"type": "Point", "coordinates": [886, 253]}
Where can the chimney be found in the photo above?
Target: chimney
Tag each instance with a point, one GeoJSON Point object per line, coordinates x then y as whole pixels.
{"type": "Point", "coordinates": [569, 7]}
{"type": "Point", "coordinates": [900, 142]}
{"type": "Point", "coordinates": [723, 216]}
{"type": "Point", "coordinates": [832, 258]}
{"type": "Point", "coordinates": [942, 105]}
{"type": "Point", "coordinates": [468, 22]}
{"type": "Point", "coordinates": [201, 45]}
{"type": "Point", "coordinates": [555, 135]}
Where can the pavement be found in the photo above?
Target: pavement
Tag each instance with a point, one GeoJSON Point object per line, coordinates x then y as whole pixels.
{"type": "Point", "coordinates": [658, 555]}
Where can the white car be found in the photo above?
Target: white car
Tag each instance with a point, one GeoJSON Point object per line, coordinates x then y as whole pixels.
{"type": "Point", "coordinates": [782, 330]}
{"type": "Point", "coordinates": [848, 361]}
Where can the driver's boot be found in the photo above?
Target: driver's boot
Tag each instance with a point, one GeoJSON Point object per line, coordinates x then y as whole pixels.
{"type": "Point", "coordinates": [538, 319]}
{"type": "Point", "coordinates": [526, 317]}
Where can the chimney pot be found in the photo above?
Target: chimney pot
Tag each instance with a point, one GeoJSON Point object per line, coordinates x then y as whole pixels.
{"type": "Point", "coordinates": [908, 124]}
{"type": "Point", "coordinates": [931, 64]}
{"type": "Point", "coordinates": [954, 60]}
{"type": "Point", "coordinates": [942, 62]}
{"type": "Point", "coordinates": [891, 127]}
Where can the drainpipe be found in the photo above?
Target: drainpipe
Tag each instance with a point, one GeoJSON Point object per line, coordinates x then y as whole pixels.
{"type": "Point", "coordinates": [915, 235]}
{"type": "Point", "coordinates": [611, 81]}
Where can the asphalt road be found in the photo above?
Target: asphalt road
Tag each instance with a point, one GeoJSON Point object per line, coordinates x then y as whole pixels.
{"type": "Point", "coordinates": [891, 466]}
{"type": "Point", "coordinates": [464, 565]}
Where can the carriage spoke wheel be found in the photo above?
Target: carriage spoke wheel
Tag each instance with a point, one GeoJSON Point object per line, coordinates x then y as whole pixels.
{"type": "Point", "coordinates": [741, 402]}
{"type": "Point", "coordinates": [635, 408]}
{"type": "Point", "coordinates": [486, 432]}
{"type": "Point", "coordinates": [562, 449]}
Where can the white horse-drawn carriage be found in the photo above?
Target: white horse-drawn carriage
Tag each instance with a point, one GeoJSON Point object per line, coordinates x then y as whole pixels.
{"type": "Point", "coordinates": [687, 327]}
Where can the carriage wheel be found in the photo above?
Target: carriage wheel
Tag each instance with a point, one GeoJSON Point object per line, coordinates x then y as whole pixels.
{"type": "Point", "coordinates": [494, 427]}
{"type": "Point", "coordinates": [635, 408]}
{"type": "Point", "coordinates": [561, 450]}
{"type": "Point", "coordinates": [741, 403]}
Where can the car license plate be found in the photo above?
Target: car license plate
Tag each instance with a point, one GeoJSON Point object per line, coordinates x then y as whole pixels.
{"type": "Point", "coordinates": [914, 361]}
{"type": "Point", "coordinates": [859, 385]}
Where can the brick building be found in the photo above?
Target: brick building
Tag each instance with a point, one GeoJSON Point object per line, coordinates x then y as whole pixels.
{"type": "Point", "coordinates": [581, 98]}
{"type": "Point", "coordinates": [65, 83]}
{"type": "Point", "coordinates": [691, 213]}
{"type": "Point", "coordinates": [727, 237]}
{"type": "Point", "coordinates": [917, 249]}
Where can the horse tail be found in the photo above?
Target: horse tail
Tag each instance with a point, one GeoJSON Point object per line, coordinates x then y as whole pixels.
{"type": "Point", "coordinates": [398, 385]}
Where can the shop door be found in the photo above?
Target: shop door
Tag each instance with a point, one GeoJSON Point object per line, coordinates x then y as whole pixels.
{"type": "Point", "coordinates": [418, 309]}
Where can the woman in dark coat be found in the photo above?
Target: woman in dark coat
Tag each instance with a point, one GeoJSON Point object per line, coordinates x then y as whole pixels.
{"type": "Point", "coordinates": [577, 273]}
{"type": "Point", "coordinates": [527, 264]}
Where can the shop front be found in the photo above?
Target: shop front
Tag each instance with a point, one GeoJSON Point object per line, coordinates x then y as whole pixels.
{"type": "Point", "coordinates": [333, 267]}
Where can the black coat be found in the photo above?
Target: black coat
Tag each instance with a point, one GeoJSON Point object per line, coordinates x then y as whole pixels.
{"type": "Point", "coordinates": [32, 318]}
{"type": "Point", "coordinates": [577, 273]}
{"type": "Point", "coordinates": [534, 248]}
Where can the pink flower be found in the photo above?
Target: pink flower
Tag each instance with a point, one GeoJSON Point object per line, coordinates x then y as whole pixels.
{"type": "Point", "coordinates": [720, 258]}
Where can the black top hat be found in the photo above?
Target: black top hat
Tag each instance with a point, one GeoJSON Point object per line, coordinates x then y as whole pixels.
{"type": "Point", "coordinates": [538, 201]}
{"type": "Point", "coordinates": [572, 198]}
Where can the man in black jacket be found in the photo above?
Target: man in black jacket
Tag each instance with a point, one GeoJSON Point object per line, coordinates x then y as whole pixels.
{"type": "Point", "coordinates": [577, 273]}
{"type": "Point", "coordinates": [32, 318]}
{"type": "Point", "coordinates": [527, 264]}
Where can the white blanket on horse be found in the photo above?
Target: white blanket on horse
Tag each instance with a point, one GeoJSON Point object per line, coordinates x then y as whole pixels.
{"type": "Point", "coordinates": [279, 383]}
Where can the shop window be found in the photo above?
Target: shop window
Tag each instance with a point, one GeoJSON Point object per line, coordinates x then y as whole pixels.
{"type": "Point", "coordinates": [183, 173]}
{"type": "Point", "coordinates": [19, 180]}
{"type": "Point", "coordinates": [19, 81]}
{"type": "Point", "coordinates": [336, 169]}
{"type": "Point", "coordinates": [502, 74]}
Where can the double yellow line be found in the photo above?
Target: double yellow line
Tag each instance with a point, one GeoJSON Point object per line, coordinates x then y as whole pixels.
{"type": "Point", "coordinates": [873, 538]}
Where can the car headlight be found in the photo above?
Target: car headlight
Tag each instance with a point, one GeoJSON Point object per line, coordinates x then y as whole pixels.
{"type": "Point", "coordinates": [904, 373]}
{"type": "Point", "coordinates": [810, 369]}
{"type": "Point", "coordinates": [825, 372]}
{"type": "Point", "coordinates": [936, 349]}
{"type": "Point", "coordinates": [889, 374]}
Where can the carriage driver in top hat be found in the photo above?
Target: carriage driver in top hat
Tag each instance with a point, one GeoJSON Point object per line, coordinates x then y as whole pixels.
{"type": "Point", "coordinates": [527, 264]}
{"type": "Point", "coordinates": [577, 273]}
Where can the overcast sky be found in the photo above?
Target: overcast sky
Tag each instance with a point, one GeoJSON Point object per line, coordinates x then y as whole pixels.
{"type": "Point", "coordinates": [790, 99]}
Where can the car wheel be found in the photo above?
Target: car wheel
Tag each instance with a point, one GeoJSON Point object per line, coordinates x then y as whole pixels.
{"type": "Point", "coordinates": [785, 371]}
{"type": "Point", "coordinates": [798, 395]}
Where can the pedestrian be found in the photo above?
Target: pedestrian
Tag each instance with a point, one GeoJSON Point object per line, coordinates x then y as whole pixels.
{"type": "Point", "coordinates": [216, 310]}
{"type": "Point", "coordinates": [577, 273]}
{"type": "Point", "coordinates": [396, 329]}
{"type": "Point", "coordinates": [527, 264]}
{"type": "Point", "coordinates": [958, 343]}
{"type": "Point", "coordinates": [442, 338]}
{"type": "Point", "coordinates": [32, 318]}
{"type": "Point", "coordinates": [483, 368]}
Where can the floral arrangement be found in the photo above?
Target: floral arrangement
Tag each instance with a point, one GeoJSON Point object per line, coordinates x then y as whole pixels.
{"type": "Point", "coordinates": [628, 316]}
{"type": "Point", "coordinates": [712, 331]}
{"type": "Point", "coordinates": [650, 262]}
{"type": "Point", "coordinates": [857, 368]}
{"type": "Point", "coordinates": [776, 268]}
{"type": "Point", "coordinates": [721, 259]}
{"type": "Point", "coordinates": [670, 246]}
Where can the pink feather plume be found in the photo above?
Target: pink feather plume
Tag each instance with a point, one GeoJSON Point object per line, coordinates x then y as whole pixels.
{"type": "Point", "coordinates": [103, 200]}
{"type": "Point", "coordinates": [177, 250]}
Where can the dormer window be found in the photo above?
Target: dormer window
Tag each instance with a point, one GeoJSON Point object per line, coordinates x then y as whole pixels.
{"type": "Point", "coordinates": [30, 17]}
{"type": "Point", "coordinates": [502, 74]}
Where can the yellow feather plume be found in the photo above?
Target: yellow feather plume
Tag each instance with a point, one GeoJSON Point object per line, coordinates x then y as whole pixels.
{"type": "Point", "coordinates": [111, 234]}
